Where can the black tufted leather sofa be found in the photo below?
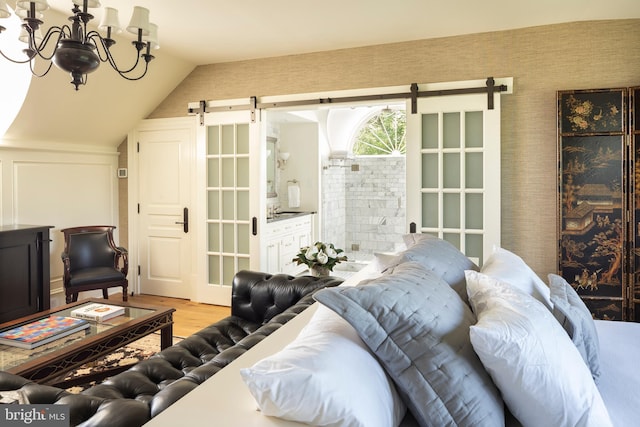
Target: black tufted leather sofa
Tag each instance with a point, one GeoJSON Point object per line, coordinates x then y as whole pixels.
{"type": "Point", "coordinates": [261, 303]}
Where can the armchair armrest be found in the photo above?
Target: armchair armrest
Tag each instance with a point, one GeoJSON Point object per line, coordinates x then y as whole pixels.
{"type": "Point", "coordinates": [66, 263]}
{"type": "Point", "coordinates": [122, 257]}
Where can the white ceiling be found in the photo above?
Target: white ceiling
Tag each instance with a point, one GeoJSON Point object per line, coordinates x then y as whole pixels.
{"type": "Point", "coordinates": [212, 31]}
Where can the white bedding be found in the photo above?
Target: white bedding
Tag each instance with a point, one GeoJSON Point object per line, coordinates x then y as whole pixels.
{"type": "Point", "coordinates": [225, 400]}
{"type": "Point", "coordinates": [619, 382]}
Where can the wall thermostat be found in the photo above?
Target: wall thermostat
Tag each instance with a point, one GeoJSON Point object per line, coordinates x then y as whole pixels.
{"type": "Point", "coordinates": [122, 172]}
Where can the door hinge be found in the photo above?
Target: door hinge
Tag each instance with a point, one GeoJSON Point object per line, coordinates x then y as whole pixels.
{"type": "Point", "coordinates": [138, 207]}
{"type": "Point", "coordinates": [139, 270]}
{"type": "Point", "coordinates": [138, 147]}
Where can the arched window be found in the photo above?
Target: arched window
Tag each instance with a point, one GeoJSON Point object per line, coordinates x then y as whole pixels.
{"type": "Point", "coordinates": [382, 134]}
{"type": "Point", "coordinates": [14, 78]}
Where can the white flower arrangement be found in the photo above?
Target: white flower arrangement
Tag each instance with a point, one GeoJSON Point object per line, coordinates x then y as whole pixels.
{"type": "Point", "coordinates": [320, 255]}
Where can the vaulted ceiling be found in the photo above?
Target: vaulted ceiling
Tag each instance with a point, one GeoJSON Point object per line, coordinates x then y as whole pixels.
{"type": "Point", "coordinates": [212, 31]}
{"type": "Point", "coordinates": [198, 32]}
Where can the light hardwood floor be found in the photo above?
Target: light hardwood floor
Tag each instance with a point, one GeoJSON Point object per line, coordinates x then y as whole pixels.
{"type": "Point", "coordinates": [189, 316]}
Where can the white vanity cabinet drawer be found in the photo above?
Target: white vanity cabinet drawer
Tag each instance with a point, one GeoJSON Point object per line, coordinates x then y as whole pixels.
{"type": "Point", "coordinates": [283, 240]}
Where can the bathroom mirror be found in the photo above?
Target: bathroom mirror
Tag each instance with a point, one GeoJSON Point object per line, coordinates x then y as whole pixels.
{"type": "Point", "coordinates": [271, 167]}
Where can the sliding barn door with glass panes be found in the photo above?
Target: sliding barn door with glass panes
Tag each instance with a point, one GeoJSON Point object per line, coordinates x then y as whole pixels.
{"type": "Point", "coordinates": [229, 206]}
{"type": "Point", "coordinates": [598, 230]}
{"type": "Point", "coordinates": [453, 172]}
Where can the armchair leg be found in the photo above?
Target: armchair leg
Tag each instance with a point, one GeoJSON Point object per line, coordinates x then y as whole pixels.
{"type": "Point", "coordinates": [125, 297]}
{"type": "Point", "coordinates": [105, 294]}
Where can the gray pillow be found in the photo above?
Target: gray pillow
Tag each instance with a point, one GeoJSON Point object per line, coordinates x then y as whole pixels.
{"type": "Point", "coordinates": [442, 257]}
{"type": "Point", "coordinates": [576, 319]}
{"type": "Point", "coordinates": [418, 328]}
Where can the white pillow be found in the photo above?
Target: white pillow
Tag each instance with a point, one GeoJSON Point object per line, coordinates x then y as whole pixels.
{"type": "Point", "coordinates": [325, 377]}
{"type": "Point", "coordinates": [384, 261]}
{"type": "Point", "coordinates": [543, 379]}
{"type": "Point", "coordinates": [510, 268]}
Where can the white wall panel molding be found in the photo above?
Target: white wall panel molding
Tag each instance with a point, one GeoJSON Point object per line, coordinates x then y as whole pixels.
{"type": "Point", "coordinates": [60, 189]}
{"type": "Point", "coordinates": [49, 147]}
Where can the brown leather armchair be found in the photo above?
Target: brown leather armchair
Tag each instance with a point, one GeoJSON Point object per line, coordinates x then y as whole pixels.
{"type": "Point", "coordinates": [93, 261]}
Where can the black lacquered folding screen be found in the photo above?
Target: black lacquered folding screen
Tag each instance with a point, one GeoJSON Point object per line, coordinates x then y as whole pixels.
{"type": "Point", "coordinates": [597, 230]}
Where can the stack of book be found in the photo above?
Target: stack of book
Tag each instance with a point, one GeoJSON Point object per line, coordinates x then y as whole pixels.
{"type": "Point", "coordinates": [43, 331]}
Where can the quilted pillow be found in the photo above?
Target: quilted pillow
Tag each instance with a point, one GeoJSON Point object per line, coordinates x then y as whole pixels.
{"type": "Point", "coordinates": [418, 328]}
{"type": "Point", "coordinates": [441, 257]}
{"type": "Point", "coordinates": [543, 380]}
{"type": "Point", "coordinates": [510, 268]}
{"type": "Point", "coordinates": [576, 319]}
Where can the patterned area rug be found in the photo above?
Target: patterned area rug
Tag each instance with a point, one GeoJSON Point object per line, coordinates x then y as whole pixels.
{"type": "Point", "coordinates": [122, 357]}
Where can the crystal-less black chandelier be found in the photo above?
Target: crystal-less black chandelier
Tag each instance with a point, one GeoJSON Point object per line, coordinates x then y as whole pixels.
{"type": "Point", "coordinates": [76, 49]}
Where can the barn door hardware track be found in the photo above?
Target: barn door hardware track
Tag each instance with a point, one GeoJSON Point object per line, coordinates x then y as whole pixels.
{"type": "Point", "coordinates": [414, 93]}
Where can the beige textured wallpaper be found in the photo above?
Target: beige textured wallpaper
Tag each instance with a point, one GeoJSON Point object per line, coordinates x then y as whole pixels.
{"type": "Point", "coordinates": [541, 60]}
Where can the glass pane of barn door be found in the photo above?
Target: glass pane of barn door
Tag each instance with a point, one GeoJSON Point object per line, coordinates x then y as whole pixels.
{"type": "Point", "coordinates": [453, 172]}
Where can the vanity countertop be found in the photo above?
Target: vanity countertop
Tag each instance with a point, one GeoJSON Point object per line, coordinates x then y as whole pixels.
{"type": "Point", "coordinates": [287, 215]}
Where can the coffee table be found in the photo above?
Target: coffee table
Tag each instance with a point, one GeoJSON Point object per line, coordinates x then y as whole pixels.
{"type": "Point", "coordinates": [47, 363]}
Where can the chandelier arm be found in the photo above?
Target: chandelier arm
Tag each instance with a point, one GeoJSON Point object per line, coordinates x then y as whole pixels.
{"type": "Point", "coordinates": [127, 77]}
{"type": "Point", "coordinates": [108, 57]}
{"type": "Point", "coordinates": [45, 41]}
{"type": "Point", "coordinates": [33, 71]}
{"type": "Point", "coordinates": [15, 61]}
{"type": "Point", "coordinates": [101, 51]}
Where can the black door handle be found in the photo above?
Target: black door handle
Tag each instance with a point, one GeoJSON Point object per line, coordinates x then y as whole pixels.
{"type": "Point", "coordinates": [185, 220]}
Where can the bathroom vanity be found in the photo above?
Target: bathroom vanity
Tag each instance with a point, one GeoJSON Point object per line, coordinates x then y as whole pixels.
{"type": "Point", "coordinates": [285, 233]}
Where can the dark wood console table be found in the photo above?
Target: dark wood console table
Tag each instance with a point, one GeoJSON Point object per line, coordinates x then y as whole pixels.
{"type": "Point", "coordinates": [24, 270]}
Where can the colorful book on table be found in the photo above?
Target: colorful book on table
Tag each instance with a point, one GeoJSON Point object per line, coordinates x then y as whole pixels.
{"type": "Point", "coordinates": [98, 312]}
{"type": "Point", "coordinates": [43, 331]}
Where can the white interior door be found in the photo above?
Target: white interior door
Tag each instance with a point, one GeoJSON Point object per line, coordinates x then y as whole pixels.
{"type": "Point", "coordinates": [165, 242]}
{"type": "Point", "coordinates": [453, 171]}
{"type": "Point", "coordinates": [229, 175]}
